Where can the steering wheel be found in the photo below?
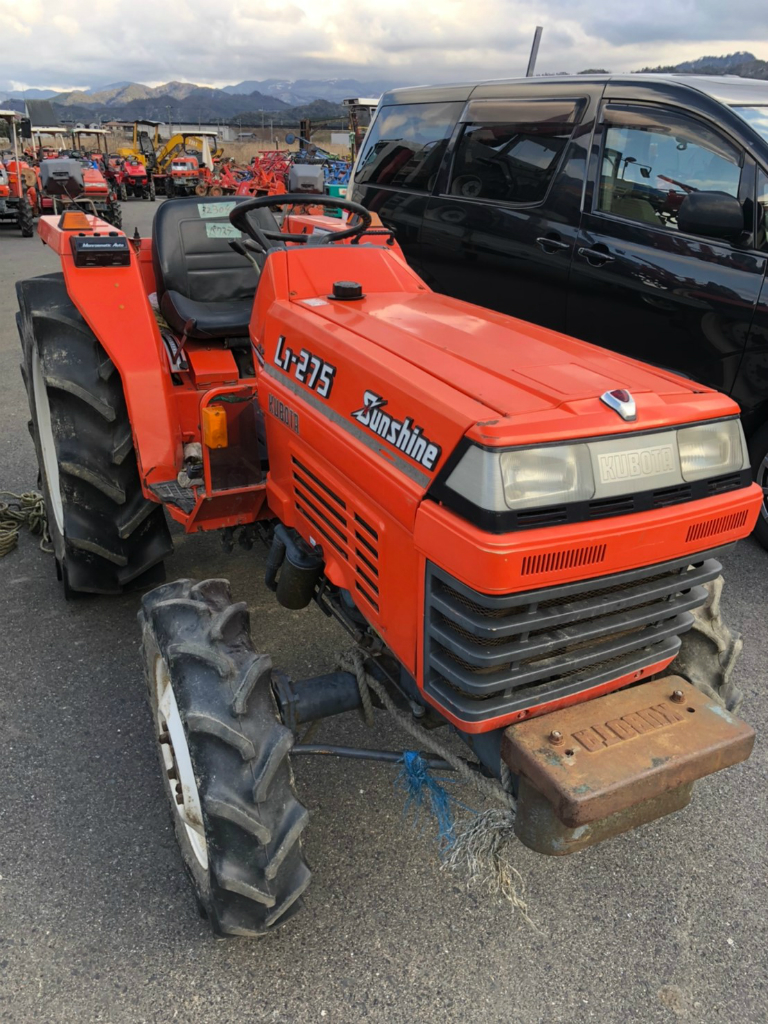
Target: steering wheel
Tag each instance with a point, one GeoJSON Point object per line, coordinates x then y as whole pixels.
{"type": "Point", "coordinates": [238, 217]}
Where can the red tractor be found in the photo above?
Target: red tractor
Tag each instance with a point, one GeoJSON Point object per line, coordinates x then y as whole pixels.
{"type": "Point", "coordinates": [18, 195]}
{"type": "Point", "coordinates": [18, 182]}
{"type": "Point", "coordinates": [129, 178]}
{"type": "Point", "coordinates": [183, 176]}
{"type": "Point", "coordinates": [517, 530]}
{"type": "Point", "coordinates": [78, 181]}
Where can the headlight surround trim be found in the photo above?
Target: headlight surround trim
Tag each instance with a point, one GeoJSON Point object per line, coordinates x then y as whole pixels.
{"type": "Point", "coordinates": [474, 477]}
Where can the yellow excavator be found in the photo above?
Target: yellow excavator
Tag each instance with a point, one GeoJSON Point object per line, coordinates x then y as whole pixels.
{"type": "Point", "coordinates": [158, 155]}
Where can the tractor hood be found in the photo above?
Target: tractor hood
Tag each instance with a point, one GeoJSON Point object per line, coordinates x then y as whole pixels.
{"type": "Point", "coordinates": [509, 381]}
{"type": "Point", "coordinates": [94, 180]}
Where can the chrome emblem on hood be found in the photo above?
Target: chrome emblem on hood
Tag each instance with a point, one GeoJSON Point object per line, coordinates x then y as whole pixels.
{"type": "Point", "coordinates": [622, 402]}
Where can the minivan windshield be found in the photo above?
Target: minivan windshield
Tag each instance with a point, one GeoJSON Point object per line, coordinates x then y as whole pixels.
{"type": "Point", "coordinates": [756, 117]}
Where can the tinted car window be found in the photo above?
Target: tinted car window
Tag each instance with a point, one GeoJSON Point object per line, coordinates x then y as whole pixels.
{"type": "Point", "coordinates": [405, 145]}
{"type": "Point", "coordinates": [756, 117]}
{"type": "Point", "coordinates": [649, 166]}
{"type": "Point", "coordinates": [512, 154]}
{"type": "Point", "coordinates": [762, 209]}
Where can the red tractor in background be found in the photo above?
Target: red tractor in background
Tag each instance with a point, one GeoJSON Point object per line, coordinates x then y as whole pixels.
{"type": "Point", "coordinates": [18, 182]}
{"type": "Point", "coordinates": [19, 195]}
{"type": "Point", "coordinates": [129, 178]}
{"type": "Point", "coordinates": [183, 176]}
{"type": "Point", "coordinates": [78, 181]}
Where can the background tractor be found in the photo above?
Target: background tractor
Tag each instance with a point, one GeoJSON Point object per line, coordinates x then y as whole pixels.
{"type": "Point", "coordinates": [129, 178]}
{"type": "Point", "coordinates": [183, 177]}
{"type": "Point", "coordinates": [80, 180]}
{"type": "Point", "coordinates": [516, 530]}
{"type": "Point", "coordinates": [18, 182]}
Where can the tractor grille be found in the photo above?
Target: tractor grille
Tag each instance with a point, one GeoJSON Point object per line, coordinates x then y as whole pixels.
{"type": "Point", "coordinates": [487, 656]}
{"type": "Point", "coordinates": [343, 528]}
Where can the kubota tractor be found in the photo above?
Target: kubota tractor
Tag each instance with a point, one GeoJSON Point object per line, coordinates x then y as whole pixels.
{"type": "Point", "coordinates": [517, 529]}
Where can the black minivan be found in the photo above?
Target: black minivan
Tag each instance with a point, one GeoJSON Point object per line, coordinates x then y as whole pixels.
{"type": "Point", "coordinates": [629, 211]}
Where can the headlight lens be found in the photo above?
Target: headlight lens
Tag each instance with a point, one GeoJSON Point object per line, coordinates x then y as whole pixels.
{"type": "Point", "coordinates": [547, 476]}
{"type": "Point", "coordinates": [711, 449]}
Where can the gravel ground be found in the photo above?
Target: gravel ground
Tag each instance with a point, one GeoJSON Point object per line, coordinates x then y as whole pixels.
{"type": "Point", "coordinates": [97, 924]}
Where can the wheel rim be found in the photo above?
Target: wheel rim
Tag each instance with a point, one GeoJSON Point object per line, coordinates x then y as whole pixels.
{"type": "Point", "coordinates": [762, 480]}
{"type": "Point", "coordinates": [47, 445]}
{"type": "Point", "coordinates": [178, 764]}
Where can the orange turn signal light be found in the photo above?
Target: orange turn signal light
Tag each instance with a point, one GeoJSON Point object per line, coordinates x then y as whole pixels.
{"type": "Point", "coordinates": [74, 220]}
{"type": "Point", "coordinates": [215, 426]}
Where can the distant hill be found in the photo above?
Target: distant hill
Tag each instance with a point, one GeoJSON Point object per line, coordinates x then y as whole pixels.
{"type": "Point", "coordinates": [29, 94]}
{"type": "Point", "coordinates": [304, 90]}
{"type": "Point", "coordinates": [743, 64]}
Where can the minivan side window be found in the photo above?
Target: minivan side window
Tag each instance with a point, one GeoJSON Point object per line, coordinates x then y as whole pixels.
{"type": "Point", "coordinates": [762, 209]}
{"type": "Point", "coordinates": [405, 145]}
{"type": "Point", "coordinates": [509, 152]}
{"type": "Point", "coordinates": [651, 161]}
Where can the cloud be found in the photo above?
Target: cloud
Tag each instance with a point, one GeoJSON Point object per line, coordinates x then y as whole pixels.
{"type": "Point", "coordinates": [399, 41]}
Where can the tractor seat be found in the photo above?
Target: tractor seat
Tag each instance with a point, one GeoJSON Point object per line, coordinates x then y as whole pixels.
{"type": "Point", "coordinates": [198, 276]}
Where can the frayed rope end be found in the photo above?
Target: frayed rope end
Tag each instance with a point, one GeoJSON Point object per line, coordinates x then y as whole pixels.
{"type": "Point", "coordinates": [482, 854]}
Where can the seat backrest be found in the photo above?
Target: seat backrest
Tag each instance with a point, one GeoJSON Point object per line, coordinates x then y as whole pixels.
{"type": "Point", "coordinates": [191, 252]}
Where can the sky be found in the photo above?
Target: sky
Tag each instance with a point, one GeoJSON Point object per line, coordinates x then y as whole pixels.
{"type": "Point", "coordinates": [74, 44]}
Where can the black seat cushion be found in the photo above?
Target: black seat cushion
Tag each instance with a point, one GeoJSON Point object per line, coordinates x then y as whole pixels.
{"type": "Point", "coordinates": [214, 319]}
{"type": "Point", "coordinates": [198, 275]}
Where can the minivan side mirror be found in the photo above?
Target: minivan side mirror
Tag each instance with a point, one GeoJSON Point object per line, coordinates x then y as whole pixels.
{"type": "Point", "coordinates": [712, 214]}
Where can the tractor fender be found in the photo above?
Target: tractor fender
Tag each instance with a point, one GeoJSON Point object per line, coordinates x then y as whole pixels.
{"type": "Point", "coordinates": [114, 303]}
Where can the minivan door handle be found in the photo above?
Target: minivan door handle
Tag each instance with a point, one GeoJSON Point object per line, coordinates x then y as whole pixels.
{"type": "Point", "coordinates": [597, 257]}
{"type": "Point", "coordinates": [551, 245]}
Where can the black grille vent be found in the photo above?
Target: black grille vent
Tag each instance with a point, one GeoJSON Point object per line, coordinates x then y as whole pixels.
{"type": "Point", "coordinates": [348, 533]}
{"type": "Point", "coordinates": [487, 656]}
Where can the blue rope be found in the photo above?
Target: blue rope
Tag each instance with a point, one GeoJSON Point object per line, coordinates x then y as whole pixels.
{"type": "Point", "coordinates": [420, 786]}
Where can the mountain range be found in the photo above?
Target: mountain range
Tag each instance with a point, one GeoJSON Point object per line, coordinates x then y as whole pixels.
{"type": "Point", "coordinates": [275, 97]}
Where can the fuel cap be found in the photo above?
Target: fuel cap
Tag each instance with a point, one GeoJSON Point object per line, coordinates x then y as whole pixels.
{"type": "Point", "coordinates": [346, 291]}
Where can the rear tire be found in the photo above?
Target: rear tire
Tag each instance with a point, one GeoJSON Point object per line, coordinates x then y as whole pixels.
{"type": "Point", "coordinates": [758, 455]}
{"type": "Point", "coordinates": [151, 192]}
{"type": "Point", "coordinates": [224, 758]}
{"type": "Point", "coordinates": [123, 193]}
{"type": "Point", "coordinates": [169, 187]}
{"type": "Point", "coordinates": [26, 219]}
{"type": "Point", "coordinates": [107, 537]}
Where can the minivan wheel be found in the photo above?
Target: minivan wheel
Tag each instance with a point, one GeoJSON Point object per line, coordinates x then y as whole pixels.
{"type": "Point", "coordinates": [758, 454]}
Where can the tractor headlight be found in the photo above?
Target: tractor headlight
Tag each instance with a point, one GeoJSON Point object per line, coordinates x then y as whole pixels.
{"type": "Point", "coordinates": [525, 478]}
{"type": "Point", "coordinates": [546, 476]}
{"type": "Point", "coordinates": [712, 449]}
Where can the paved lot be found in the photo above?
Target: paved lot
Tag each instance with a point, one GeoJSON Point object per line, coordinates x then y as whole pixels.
{"type": "Point", "coordinates": [96, 923]}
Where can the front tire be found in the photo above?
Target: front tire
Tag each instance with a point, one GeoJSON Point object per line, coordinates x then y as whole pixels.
{"type": "Point", "coordinates": [758, 455]}
{"type": "Point", "coordinates": [151, 191]}
{"type": "Point", "coordinates": [123, 193]}
{"type": "Point", "coordinates": [224, 758]}
{"type": "Point", "coordinates": [107, 537]}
